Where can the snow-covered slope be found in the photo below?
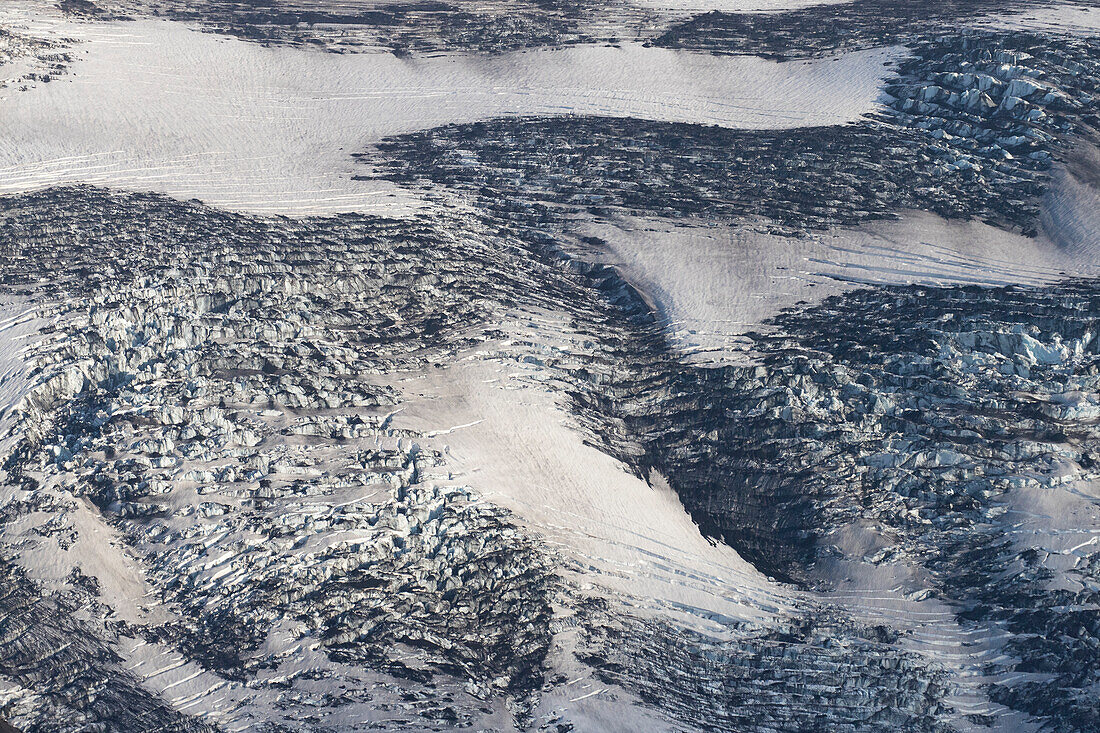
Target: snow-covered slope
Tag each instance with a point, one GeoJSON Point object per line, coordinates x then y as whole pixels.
{"type": "Point", "coordinates": [158, 106]}
{"type": "Point", "coordinates": [713, 283]}
{"type": "Point", "coordinates": [596, 386]}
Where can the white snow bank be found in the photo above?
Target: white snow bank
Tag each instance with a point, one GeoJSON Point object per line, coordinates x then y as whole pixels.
{"type": "Point", "coordinates": [713, 283]}
{"type": "Point", "coordinates": [519, 449]}
{"type": "Point", "coordinates": [157, 106]}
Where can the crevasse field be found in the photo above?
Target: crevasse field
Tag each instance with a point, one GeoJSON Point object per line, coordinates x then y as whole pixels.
{"type": "Point", "coordinates": [629, 366]}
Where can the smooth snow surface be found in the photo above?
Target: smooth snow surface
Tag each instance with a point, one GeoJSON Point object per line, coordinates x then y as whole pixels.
{"type": "Point", "coordinates": [519, 449]}
{"type": "Point", "coordinates": [713, 283]}
{"type": "Point", "coordinates": [1070, 19]}
{"type": "Point", "coordinates": [157, 106]}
